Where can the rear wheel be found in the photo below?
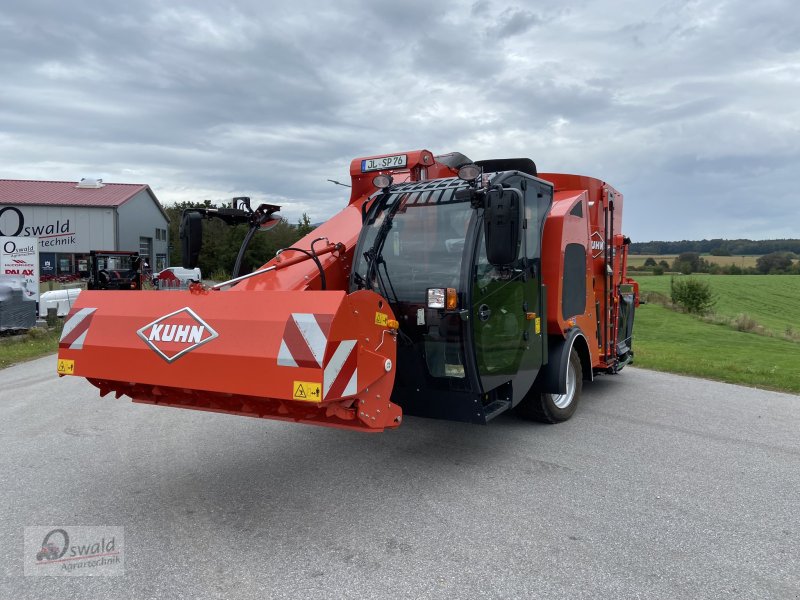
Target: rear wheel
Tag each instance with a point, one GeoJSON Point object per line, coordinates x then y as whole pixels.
{"type": "Point", "coordinates": [555, 408]}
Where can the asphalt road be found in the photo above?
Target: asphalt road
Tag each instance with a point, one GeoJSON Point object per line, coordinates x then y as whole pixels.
{"type": "Point", "coordinates": [660, 487]}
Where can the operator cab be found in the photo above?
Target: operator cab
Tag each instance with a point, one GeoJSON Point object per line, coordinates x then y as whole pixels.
{"type": "Point", "coordinates": [471, 328]}
{"type": "Point", "coordinates": [114, 270]}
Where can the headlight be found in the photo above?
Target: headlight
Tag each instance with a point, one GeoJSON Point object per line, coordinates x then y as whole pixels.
{"type": "Point", "coordinates": [443, 298]}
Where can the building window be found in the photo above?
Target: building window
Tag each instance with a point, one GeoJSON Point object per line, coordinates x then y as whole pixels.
{"type": "Point", "coordinates": [82, 261]}
{"type": "Point", "coordinates": [146, 249]}
{"type": "Point", "coordinates": [65, 264]}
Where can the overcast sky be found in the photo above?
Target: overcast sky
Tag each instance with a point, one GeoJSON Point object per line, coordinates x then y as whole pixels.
{"type": "Point", "coordinates": [690, 108]}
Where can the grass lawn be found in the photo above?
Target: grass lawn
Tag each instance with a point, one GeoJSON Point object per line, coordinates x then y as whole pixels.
{"type": "Point", "coordinates": [35, 343]}
{"type": "Point", "coordinates": [772, 300]}
{"type": "Point", "coordinates": [665, 340]}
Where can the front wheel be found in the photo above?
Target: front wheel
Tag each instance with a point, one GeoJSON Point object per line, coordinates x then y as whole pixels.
{"type": "Point", "coordinates": [555, 408]}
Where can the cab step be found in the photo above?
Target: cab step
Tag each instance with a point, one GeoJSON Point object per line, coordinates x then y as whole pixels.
{"type": "Point", "coordinates": [495, 408]}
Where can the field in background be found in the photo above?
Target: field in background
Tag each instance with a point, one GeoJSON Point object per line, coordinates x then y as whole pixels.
{"type": "Point", "coordinates": [771, 300]}
{"type": "Point", "coordinates": [636, 261]}
{"type": "Point", "coordinates": [666, 340]}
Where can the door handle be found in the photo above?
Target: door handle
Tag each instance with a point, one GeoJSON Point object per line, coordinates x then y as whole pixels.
{"type": "Point", "coordinates": [484, 312]}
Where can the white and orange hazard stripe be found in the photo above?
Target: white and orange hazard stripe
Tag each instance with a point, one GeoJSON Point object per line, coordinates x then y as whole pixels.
{"type": "Point", "coordinates": [340, 378]}
{"type": "Point", "coordinates": [304, 340]}
{"type": "Point", "coordinates": [75, 329]}
{"type": "Point", "coordinates": [305, 344]}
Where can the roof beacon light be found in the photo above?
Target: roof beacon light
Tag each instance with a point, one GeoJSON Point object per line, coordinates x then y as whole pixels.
{"type": "Point", "coordinates": [382, 181]}
{"type": "Point", "coordinates": [469, 172]}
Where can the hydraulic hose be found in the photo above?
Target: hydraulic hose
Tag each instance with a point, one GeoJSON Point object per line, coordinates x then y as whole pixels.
{"type": "Point", "coordinates": [312, 255]}
{"type": "Point", "coordinates": [245, 243]}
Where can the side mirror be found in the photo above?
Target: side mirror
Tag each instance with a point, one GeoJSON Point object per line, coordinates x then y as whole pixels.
{"type": "Point", "coordinates": [502, 224]}
{"type": "Point", "coordinates": [191, 234]}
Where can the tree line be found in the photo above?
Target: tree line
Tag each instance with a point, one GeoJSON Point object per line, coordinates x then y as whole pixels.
{"type": "Point", "coordinates": [773, 263]}
{"type": "Point", "coordinates": [221, 242]}
{"type": "Point", "coordinates": [718, 247]}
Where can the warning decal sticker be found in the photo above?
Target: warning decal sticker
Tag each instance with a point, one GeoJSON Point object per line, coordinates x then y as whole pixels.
{"type": "Point", "coordinates": [307, 391]}
{"type": "Point", "coordinates": [65, 366]}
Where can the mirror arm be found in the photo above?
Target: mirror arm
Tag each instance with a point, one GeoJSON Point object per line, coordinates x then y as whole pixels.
{"type": "Point", "coordinates": [240, 212]}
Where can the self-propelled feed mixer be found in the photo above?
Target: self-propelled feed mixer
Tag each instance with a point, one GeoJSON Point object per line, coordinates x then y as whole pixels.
{"type": "Point", "coordinates": [446, 288]}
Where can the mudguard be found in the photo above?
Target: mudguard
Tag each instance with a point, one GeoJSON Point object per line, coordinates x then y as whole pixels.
{"type": "Point", "coordinates": [553, 376]}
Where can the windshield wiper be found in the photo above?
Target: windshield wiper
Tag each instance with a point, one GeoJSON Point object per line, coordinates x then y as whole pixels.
{"type": "Point", "coordinates": [374, 256]}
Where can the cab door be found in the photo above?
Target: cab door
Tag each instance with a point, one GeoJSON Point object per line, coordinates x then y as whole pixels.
{"type": "Point", "coordinates": [507, 311]}
{"type": "Point", "coordinates": [497, 319]}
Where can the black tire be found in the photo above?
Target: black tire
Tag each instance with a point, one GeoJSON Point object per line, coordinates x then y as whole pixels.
{"type": "Point", "coordinates": [555, 408]}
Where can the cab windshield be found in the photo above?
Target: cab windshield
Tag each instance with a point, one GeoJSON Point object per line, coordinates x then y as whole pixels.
{"type": "Point", "coordinates": [422, 245]}
{"type": "Point", "coordinates": [115, 263]}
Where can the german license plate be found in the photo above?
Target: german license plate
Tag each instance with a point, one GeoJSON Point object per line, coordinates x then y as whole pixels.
{"type": "Point", "coordinates": [398, 161]}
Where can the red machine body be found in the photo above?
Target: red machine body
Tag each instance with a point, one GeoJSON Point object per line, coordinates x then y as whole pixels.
{"type": "Point", "coordinates": [277, 345]}
{"type": "Point", "coordinates": [585, 212]}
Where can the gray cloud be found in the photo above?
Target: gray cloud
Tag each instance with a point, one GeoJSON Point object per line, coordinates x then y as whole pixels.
{"type": "Point", "coordinates": [689, 108]}
{"type": "Point", "coordinates": [514, 21]}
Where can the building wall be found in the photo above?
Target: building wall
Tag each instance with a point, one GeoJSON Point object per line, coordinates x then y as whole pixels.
{"type": "Point", "coordinates": [70, 229]}
{"type": "Point", "coordinates": [139, 218]}
{"type": "Point", "coordinates": [67, 233]}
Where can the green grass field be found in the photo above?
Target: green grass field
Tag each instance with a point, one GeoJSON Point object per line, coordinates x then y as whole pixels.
{"type": "Point", "coordinates": [666, 340]}
{"type": "Point", "coordinates": [772, 300]}
{"type": "Point", "coordinates": [679, 343]}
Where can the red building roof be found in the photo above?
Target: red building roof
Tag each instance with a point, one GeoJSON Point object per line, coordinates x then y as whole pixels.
{"type": "Point", "coordinates": [67, 193]}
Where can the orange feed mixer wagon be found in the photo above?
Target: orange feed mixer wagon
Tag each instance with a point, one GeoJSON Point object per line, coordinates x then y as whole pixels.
{"type": "Point", "coordinates": [446, 288]}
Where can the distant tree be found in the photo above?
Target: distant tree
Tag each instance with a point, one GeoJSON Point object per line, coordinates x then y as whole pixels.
{"type": "Point", "coordinates": [689, 262]}
{"type": "Point", "coordinates": [734, 269]}
{"type": "Point", "coordinates": [304, 226]}
{"type": "Point", "coordinates": [735, 247]}
{"type": "Point", "coordinates": [663, 264]}
{"type": "Point", "coordinates": [650, 262]}
{"type": "Point", "coordinates": [719, 251]}
{"type": "Point", "coordinates": [774, 262]}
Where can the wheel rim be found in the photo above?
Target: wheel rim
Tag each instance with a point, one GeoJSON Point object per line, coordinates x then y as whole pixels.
{"type": "Point", "coordinates": [562, 401]}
